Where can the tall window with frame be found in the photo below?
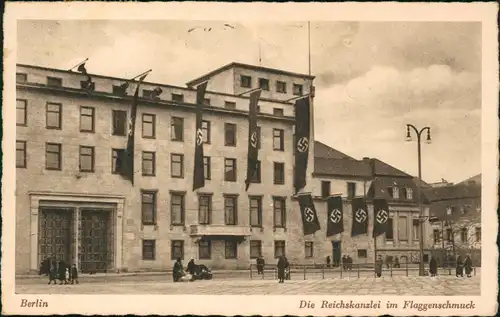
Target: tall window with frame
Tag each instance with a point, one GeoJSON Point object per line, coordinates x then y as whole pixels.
{"type": "Point", "coordinates": [87, 161]}
{"type": "Point", "coordinates": [148, 126]}
{"type": "Point", "coordinates": [177, 212]}
{"type": "Point", "coordinates": [255, 249]}
{"type": "Point", "coordinates": [351, 189]}
{"type": "Point", "coordinates": [309, 249]}
{"type": "Point", "coordinates": [148, 163]}
{"type": "Point", "coordinates": [395, 192]}
{"type": "Point", "coordinates": [279, 248]}
{"type": "Point", "coordinates": [449, 235]}
{"type": "Point", "coordinates": [464, 235]}
{"type": "Point", "coordinates": [409, 193]}
{"type": "Point", "coordinates": [389, 234]}
{"type": "Point", "coordinates": [297, 90]}
{"type": "Point", "coordinates": [87, 119]}
{"type": "Point", "coordinates": [177, 129]}
{"type": "Point", "coordinates": [325, 189]}
{"type": "Point", "coordinates": [120, 122]}
{"type": "Point", "coordinates": [478, 234]}
{"type": "Point", "coordinates": [231, 249]}
{"type": "Point", "coordinates": [204, 209]}
{"type": "Point", "coordinates": [264, 83]}
{"type": "Point", "coordinates": [279, 173]}
{"type": "Point", "coordinates": [436, 235]}
{"type": "Point", "coordinates": [256, 178]}
{"type": "Point", "coordinates": [53, 118]}
{"type": "Point", "coordinates": [281, 87]}
{"type": "Point", "coordinates": [177, 165]}
{"type": "Point", "coordinates": [207, 167]}
{"type": "Point", "coordinates": [231, 210]}
{"type": "Point", "coordinates": [53, 156]}
{"type": "Point", "coordinates": [114, 159]}
{"type": "Point", "coordinates": [278, 139]}
{"type": "Point", "coordinates": [177, 249]}
{"type": "Point", "coordinates": [148, 250]}
{"type": "Point", "coordinates": [148, 207]}
{"type": "Point", "coordinates": [204, 249]}
{"type": "Point", "coordinates": [229, 134]}
{"type": "Point", "coordinates": [20, 154]}
{"type": "Point", "coordinates": [205, 127]}
{"type": "Point", "coordinates": [279, 212]}
{"type": "Point", "coordinates": [21, 112]}
{"type": "Point", "coordinates": [403, 228]}
{"type": "Point", "coordinates": [230, 170]}
{"type": "Point", "coordinates": [256, 211]}
{"type": "Point", "coordinates": [416, 229]}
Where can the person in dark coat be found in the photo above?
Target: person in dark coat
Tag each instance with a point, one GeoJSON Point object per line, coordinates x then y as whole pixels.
{"type": "Point", "coordinates": [328, 261]}
{"type": "Point", "coordinates": [178, 270]}
{"type": "Point", "coordinates": [379, 263]}
{"type": "Point", "coordinates": [433, 266]}
{"type": "Point", "coordinates": [468, 266]}
{"type": "Point", "coordinates": [282, 265]}
{"type": "Point", "coordinates": [260, 264]}
{"type": "Point", "coordinates": [74, 274]}
{"type": "Point", "coordinates": [459, 267]}
{"type": "Point", "coordinates": [349, 263]}
{"type": "Point", "coordinates": [61, 273]}
{"type": "Point", "coordinates": [396, 262]}
{"type": "Point", "coordinates": [191, 267]}
{"type": "Point", "coordinates": [53, 272]}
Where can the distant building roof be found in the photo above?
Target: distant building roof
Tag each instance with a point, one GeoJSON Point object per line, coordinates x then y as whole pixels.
{"type": "Point", "coordinates": [458, 191]}
{"type": "Point", "coordinates": [324, 151]}
{"type": "Point", "coordinates": [471, 181]}
{"type": "Point", "coordinates": [383, 169]}
{"type": "Point", "coordinates": [247, 66]}
{"type": "Point", "coordinates": [341, 167]}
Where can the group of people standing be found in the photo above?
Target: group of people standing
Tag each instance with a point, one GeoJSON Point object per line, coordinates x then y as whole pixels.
{"type": "Point", "coordinates": [59, 270]}
{"type": "Point", "coordinates": [464, 265]}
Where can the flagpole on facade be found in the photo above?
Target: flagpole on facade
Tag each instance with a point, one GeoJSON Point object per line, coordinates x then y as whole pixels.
{"type": "Point", "coordinates": [309, 44]}
{"type": "Point", "coordinates": [298, 97]}
{"type": "Point", "coordinates": [249, 91]}
{"type": "Point", "coordinates": [141, 74]}
{"type": "Point", "coordinates": [78, 64]}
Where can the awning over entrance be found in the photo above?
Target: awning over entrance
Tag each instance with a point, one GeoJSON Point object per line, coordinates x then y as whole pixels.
{"type": "Point", "coordinates": [219, 232]}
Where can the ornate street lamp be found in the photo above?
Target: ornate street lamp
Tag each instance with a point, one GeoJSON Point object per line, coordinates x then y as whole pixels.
{"type": "Point", "coordinates": [422, 218]}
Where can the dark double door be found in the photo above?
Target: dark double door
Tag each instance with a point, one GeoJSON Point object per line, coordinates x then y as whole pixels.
{"type": "Point", "coordinates": [336, 252]}
{"type": "Point", "coordinates": [95, 240]}
{"type": "Point", "coordinates": [56, 237]}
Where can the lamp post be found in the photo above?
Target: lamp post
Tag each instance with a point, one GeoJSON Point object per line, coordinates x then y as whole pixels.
{"type": "Point", "coordinates": [409, 128]}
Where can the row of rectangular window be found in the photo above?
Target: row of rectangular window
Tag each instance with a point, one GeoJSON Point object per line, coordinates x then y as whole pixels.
{"type": "Point", "coordinates": [53, 161]}
{"type": "Point", "coordinates": [394, 191]}
{"type": "Point", "coordinates": [263, 83]}
{"type": "Point", "coordinates": [205, 210]}
{"type": "Point", "coordinates": [120, 125]}
{"type": "Point", "coordinates": [245, 81]}
{"type": "Point", "coordinates": [230, 249]}
{"type": "Point", "coordinates": [464, 235]}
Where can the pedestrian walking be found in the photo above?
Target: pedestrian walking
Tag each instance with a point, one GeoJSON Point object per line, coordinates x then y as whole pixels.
{"type": "Point", "coordinates": [468, 265]}
{"type": "Point", "coordinates": [328, 261]}
{"type": "Point", "coordinates": [74, 274]}
{"type": "Point", "coordinates": [379, 263]}
{"type": "Point", "coordinates": [178, 270]}
{"type": "Point", "coordinates": [396, 263]}
{"type": "Point", "coordinates": [282, 265]}
{"type": "Point", "coordinates": [53, 272]}
{"type": "Point", "coordinates": [191, 267]}
{"type": "Point", "coordinates": [459, 267]}
{"type": "Point", "coordinates": [260, 265]}
{"type": "Point", "coordinates": [433, 266]}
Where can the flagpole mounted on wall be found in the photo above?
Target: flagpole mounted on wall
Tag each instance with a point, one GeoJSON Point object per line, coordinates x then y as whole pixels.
{"type": "Point", "coordinates": [82, 62]}
{"type": "Point", "coordinates": [249, 91]}
{"type": "Point", "coordinates": [141, 74]}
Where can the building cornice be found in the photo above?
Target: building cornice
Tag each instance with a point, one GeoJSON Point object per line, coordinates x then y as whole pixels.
{"type": "Point", "coordinates": [189, 107]}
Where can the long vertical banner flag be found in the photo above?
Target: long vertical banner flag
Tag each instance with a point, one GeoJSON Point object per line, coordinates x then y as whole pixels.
{"type": "Point", "coordinates": [381, 217]}
{"type": "Point", "coordinates": [253, 138]}
{"type": "Point", "coordinates": [302, 138]}
{"type": "Point", "coordinates": [359, 217]}
{"type": "Point", "coordinates": [125, 160]}
{"type": "Point", "coordinates": [199, 167]}
{"type": "Point", "coordinates": [310, 219]}
{"type": "Point", "coordinates": [335, 222]}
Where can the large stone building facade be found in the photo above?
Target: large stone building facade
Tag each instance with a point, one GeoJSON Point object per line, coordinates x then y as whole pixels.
{"type": "Point", "coordinates": [71, 204]}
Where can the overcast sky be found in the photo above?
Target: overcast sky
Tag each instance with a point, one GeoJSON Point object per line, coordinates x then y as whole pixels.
{"type": "Point", "coordinates": [371, 78]}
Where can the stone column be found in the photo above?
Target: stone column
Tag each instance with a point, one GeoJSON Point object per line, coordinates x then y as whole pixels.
{"type": "Point", "coordinates": [76, 234]}
{"type": "Point", "coordinates": [118, 236]}
{"type": "Point", "coordinates": [34, 219]}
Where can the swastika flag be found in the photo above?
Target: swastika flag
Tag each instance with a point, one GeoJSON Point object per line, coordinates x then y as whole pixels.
{"type": "Point", "coordinates": [302, 141]}
{"type": "Point", "coordinates": [380, 217]}
{"type": "Point", "coordinates": [199, 167]}
{"type": "Point", "coordinates": [308, 212]}
{"type": "Point", "coordinates": [359, 217]}
{"type": "Point", "coordinates": [335, 221]}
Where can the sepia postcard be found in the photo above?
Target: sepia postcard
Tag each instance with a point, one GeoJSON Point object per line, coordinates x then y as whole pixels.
{"type": "Point", "coordinates": [323, 158]}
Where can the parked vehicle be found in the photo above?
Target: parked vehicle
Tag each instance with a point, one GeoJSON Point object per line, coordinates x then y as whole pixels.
{"type": "Point", "coordinates": [202, 272]}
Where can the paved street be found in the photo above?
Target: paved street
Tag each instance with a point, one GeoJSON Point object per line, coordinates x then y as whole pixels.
{"type": "Point", "coordinates": [396, 285]}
